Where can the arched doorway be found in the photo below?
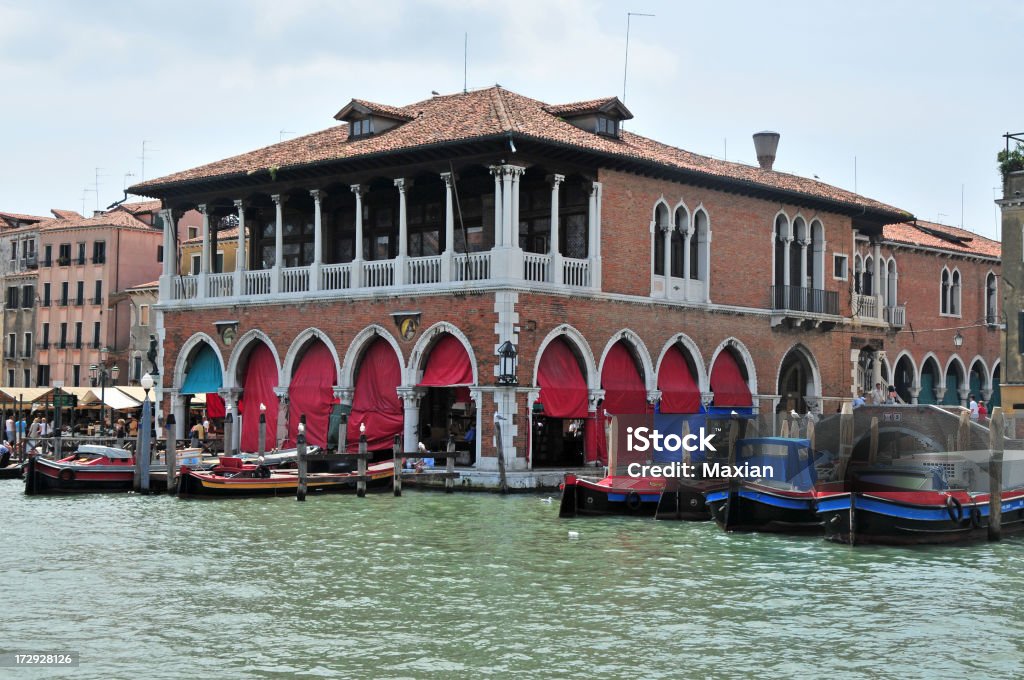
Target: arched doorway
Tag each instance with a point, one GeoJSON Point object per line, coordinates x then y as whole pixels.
{"type": "Point", "coordinates": [730, 383]}
{"type": "Point", "coordinates": [954, 381]}
{"type": "Point", "coordinates": [796, 382]}
{"type": "Point", "coordinates": [258, 376]}
{"type": "Point", "coordinates": [445, 408]}
{"type": "Point", "coordinates": [977, 379]}
{"type": "Point", "coordinates": [930, 379]}
{"type": "Point", "coordinates": [996, 398]}
{"type": "Point", "coordinates": [311, 392]}
{"type": "Point", "coordinates": [677, 381]}
{"type": "Point", "coordinates": [375, 403]}
{"type": "Point", "coordinates": [202, 380]}
{"type": "Point", "coordinates": [561, 408]}
{"type": "Point", "coordinates": [903, 378]}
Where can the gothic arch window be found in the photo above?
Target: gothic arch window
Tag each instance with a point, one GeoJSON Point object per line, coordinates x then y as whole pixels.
{"type": "Point", "coordinates": [991, 299]}
{"type": "Point", "coordinates": [954, 293]}
{"type": "Point", "coordinates": [679, 232]}
{"type": "Point", "coordinates": [660, 225]}
{"type": "Point", "coordinates": [890, 288]}
{"type": "Point", "coordinates": [782, 239]}
{"type": "Point", "coordinates": [700, 255]}
{"type": "Point", "coordinates": [868, 277]}
{"type": "Point", "coordinates": [817, 254]}
{"type": "Point", "coordinates": [944, 292]}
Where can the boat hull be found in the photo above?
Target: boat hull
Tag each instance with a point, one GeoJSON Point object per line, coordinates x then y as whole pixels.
{"type": "Point", "coordinates": [754, 508]}
{"type": "Point", "coordinates": [44, 476]}
{"type": "Point", "coordinates": [12, 471]}
{"type": "Point", "coordinates": [196, 484]}
{"type": "Point", "coordinates": [915, 519]}
{"type": "Point", "coordinates": [582, 497]}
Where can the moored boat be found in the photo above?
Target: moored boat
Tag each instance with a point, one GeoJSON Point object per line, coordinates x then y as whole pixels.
{"type": "Point", "coordinates": [778, 494]}
{"type": "Point", "coordinates": [92, 468]}
{"type": "Point", "coordinates": [905, 505]}
{"type": "Point", "coordinates": [234, 478]}
{"type": "Point", "coordinates": [664, 498]}
{"type": "Point", "coordinates": [12, 471]}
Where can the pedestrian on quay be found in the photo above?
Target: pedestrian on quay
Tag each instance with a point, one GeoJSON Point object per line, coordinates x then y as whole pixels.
{"type": "Point", "coordinates": [9, 426]}
{"type": "Point", "coordinates": [894, 397]}
{"type": "Point", "coordinates": [859, 400]}
{"type": "Point", "coordinates": [982, 412]}
{"type": "Point", "coordinates": [33, 434]}
{"type": "Point", "coordinates": [133, 427]}
{"type": "Point", "coordinates": [974, 408]}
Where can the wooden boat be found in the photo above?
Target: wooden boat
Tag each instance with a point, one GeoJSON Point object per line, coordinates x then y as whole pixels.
{"type": "Point", "coordinates": [12, 471]}
{"type": "Point", "coordinates": [235, 478]}
{"type": "Point", "coordinates": [776, 495]}
{"type": "Point", "coordinates": [912, 505]}
{"type": "Point", "coordinates": [664, 498]}
{"type": "Point", "coordinates": [92, 468]}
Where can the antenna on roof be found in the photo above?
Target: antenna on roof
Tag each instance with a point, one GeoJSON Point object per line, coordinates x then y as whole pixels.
{"type": "Point", "coordinates": [98, 175]}
{"type": "Point", "coordinates": [855, 174]}
{"type": "Point", "coordinates": [282, 133]}
{"type": "Point", "coordinates": [625, 65]}
{"type": "Point", "coordinates": [125, 183]}
{"type": "Point", "coordinates": [465, 62]}
{"type": "Point", "coordinates": [961, 206]}
{"type": "Point", "coordinates": [142, 176]}
{"type": "Point", "coordinates": [84, 192]}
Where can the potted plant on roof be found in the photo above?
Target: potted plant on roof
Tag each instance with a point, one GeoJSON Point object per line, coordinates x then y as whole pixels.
{"type": "Point", "coordinates": [1011, 160]}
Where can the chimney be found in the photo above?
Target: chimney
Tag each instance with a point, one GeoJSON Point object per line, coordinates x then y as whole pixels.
{"type": "Point", "coordinates": [765, 144]}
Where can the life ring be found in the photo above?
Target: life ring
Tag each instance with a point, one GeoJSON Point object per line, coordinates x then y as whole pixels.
{"type": "Point", "coordinates": [67, 475]}
{"type": "Point", "coordinates": [955, 509]}
{"type": "Point", "coordinates": [976, 517]}
{"type": "Point", "coordinates": [633, 500]}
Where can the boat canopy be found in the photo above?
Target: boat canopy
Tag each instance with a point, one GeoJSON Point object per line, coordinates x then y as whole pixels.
{"type": "Point", "coordinates": [111, 452]}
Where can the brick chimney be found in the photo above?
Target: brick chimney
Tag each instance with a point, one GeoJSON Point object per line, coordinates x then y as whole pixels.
{"type": "Point", "coordinates": [765, 145]}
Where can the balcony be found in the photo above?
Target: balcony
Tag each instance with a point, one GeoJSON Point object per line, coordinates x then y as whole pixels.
{"type": "Point", "coordinates": [64, 261]}
{"type": "Point", "coordinates": [441, 272]}
{"type": "Point", "coordinates": [32, 261]}
{"type": "Point", "coordinates": [806, 300]}
{"type": "Point", "coordinates": [97, 300]}
{"type": "Point", "coordinates": [896, 316]}
{"type": "Point", "coordinates": [44, 345]}
{"type": "Point", "coordinates": [80, 260]}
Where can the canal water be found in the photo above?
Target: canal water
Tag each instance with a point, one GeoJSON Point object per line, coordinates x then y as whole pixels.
{"type": "Point", "coordinates": [478, 585]}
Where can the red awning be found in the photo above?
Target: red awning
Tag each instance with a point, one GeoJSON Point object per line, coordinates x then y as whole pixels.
{"type": "Point", "coordinates": [311, 393]}
{"type": "Point", "coordinates": [624, 390]}
{"type": "Point", "coordinates": [679, 390]}
{"type": "Point", "coordinates": [727, 382]}
{"type": "Point", "coordinates": [448, 365]}
{"type": "Point", "coordinates": [258, 388]}
{"type": "Point", "coordinates": [563, 390]}
{"type": "Point", "coordinates": [376, 401]}
{"type": "Point", "coordinates": [215, 407]}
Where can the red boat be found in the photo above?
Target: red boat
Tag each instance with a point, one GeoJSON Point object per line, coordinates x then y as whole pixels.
{"type": "Point", "coordinates": [234, 478]}
{"type": "Point", "coordinates": [644, 496]}
{"type": "Point", "coordinates": [91, 468]}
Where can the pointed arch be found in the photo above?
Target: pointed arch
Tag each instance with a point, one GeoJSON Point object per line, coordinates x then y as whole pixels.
{"type": "Point", "coordinates": [745, 360]}
{"type": "Point", "coordinates": [639, 350]}
{"type": "Point", "coordinates": [185, 355]}
{"type": "Point", "coordinates": [700, 249]}
{"type": "Point", "coordinates": [579, 344]}
{"type": "Point", "coordinates": [692, 351]}
{"type": "Point", "coordinates": [812, 387]}
{"type": "Point", "coordinates": [904, 376]}
{"type": "Point", "coordinates": [659, 226]}
{"type": "Point", "coordinates": [242, 348]}
{"type": "Point", "coordinates": [428, 339]}
{"type": "Point", "coordinates": [984, 376]}
{"type": "Point", "coordinates": [955, 378]}
{"type": "Point", "coordinates": [298, 347]}
{"type": "Point", "coordinates": [818, 246]}
{"type": "Point", "coordinates": [359, 344]}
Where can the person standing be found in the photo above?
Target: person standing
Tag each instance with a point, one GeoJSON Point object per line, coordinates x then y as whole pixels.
{"type": "Point", "coordinates": [973, 406]}
{"type": "Point", "coordinates": [9, 426]}
{"type": "Point", "coordinates": [982, 411]}
{"type": "Point", "coordinates": [33, 434]}
{"type": "Point", "coordinates": [877, 395]}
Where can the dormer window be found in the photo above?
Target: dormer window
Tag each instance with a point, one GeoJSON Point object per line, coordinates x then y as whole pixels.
{"type": "Point", "coordinates": [361, 128]}
{"type": "Point", "coordinates": [607, 126]}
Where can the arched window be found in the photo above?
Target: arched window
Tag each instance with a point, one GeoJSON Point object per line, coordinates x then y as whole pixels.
{"type": "Point", "coordinates": [858, 271]}
{"type": "Point", "coordinates": [990, 299]}
{"type": "Point", "coordinates": [782, 238]}
{"type": "Point", "coordinates": [798, 252]}
{"type": "Point", "coordinates": [944, 301]}
{"type": "Point", "coordinates": [660, 224]}
{"type": "Point", "coordinates": [680, 228]}
{"type": "Point", "coordinates": [700, 256]}
{"type": "Point", "coordinates": [954, 294]}
{"type": "Point", "coordinates": [890, 288]}
{"type": "Point", "coordinates": [868, 279]}
{"type": "Point", "coordinates": [816, 270]}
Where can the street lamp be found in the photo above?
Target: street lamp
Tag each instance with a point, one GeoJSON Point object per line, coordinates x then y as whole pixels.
{"type": "Point", "coordinates": [958, 340]}
{"type": "Point", "coordinates": [507, 364]}
{"type": "Point", "coordinates": [101, 372]}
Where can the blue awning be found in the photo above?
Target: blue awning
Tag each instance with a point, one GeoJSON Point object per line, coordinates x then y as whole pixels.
{"type": "Point", "coordinates": [204, 375]}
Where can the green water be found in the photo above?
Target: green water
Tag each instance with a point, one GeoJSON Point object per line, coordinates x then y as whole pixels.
{"type": "Point", "coordinates": [474, 585]}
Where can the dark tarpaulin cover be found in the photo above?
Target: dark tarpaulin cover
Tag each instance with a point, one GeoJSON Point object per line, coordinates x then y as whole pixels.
{"type": "Point", "coordinates": [204, 375]}
{"type": "Point", "coordinates": [311, 393]}
{"type": "Point", "coordinates": [679, 391]}
{"type": "Point", "coordinates": [563, 390]}
{"type": "Point", "coordinates": [448, 365]}
{"type": "Point", "coordinates": [624, 390]}
{"type": "Point", "coordinates": [258, 388]}
{"type": "Point", "coordinates": [214, 405]}
{"type": "Point", "coordinates": [727, 382]}
{"type": "Point", "coordinates": [376, 401]}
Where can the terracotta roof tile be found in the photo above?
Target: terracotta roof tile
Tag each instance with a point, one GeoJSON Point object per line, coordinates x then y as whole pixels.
{"type": "Point", "coordinates": [587, 106]}
{"type": "Point", "coordinates": [943, 237]}
{"type": "Point", "coordinates": [11, 218]}
{"type": "Point", "coordinates": [140, 207]}
{"type": "Point", "coordinates": [374, 107]}
{"type": "Point", "coordinates": [493, 112]}
{"type": "Point", "coordinates": [144, 286]}
{"type": "Point", "coordinates": [65, 214]}
{"type": "Point", "coordinates": [114, 218]}
{"type": "Point", "coordinates": [222, 235]}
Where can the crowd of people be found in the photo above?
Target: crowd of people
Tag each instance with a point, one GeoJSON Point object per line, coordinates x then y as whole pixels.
{"type": "Point", "coordinates": [879, 397]}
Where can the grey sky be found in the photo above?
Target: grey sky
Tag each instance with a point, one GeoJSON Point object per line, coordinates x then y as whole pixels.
{"type": "Point", "coordinates": [919, 92]}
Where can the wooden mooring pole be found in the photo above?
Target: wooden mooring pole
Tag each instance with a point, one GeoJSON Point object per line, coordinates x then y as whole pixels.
{"type": "Point", "coordinates": [995, 475]}
{"type": "Point", "coordinates": [734, 486]}
{"type": "Point", "coordinates": [845, 458]}
{"type": "Point", "coordinates": [263, 432]}
{"type": "Point", "coordinates": [396, 452]}
{"type": "Point", "coordinates": [300, 452]}
{"type": "Point", "coordinates": [873, 449]}
{"type": "Point", "coordinates": [449, 467]}
{"type": "Point", "coordinates": [171, 453]}
{"type": "Point", "coordinates": [361, 483]}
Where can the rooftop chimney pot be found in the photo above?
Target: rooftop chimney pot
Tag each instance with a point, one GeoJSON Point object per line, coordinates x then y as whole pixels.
{"type": "Point", "coordinates": [765, 145]}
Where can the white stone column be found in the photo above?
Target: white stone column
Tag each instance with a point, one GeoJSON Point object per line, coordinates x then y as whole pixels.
{"type": "Point", "coordinates": [803, 275]}
{"type": "Point", "coordinates": [556, 254]}
{"type": "Point", "coordinates": [318, 239]}
{"type": "Point", "coordinates": [498, 172]}
{"type": "Point", "coordinates": [403, 232]}
{"type": "Point", "coordinates": [202, 286]}
{"type": "Point", "coordinates": [357, 260]}
{"type": "Point", "coordinates": [241, 256]}
{"type": "Point", "coordinates": [666, 252]}
{"type": "Point", "coordinates": [513, 227]}
{"type": "Point", "coordinates": [170, 255]}
{"type": "Point", "coordinates": [510, 236]}
{"type": "Point", "coordinates": [410, 429]}
{"type": "Point", "coordinates": [449, 227]}
{"type": "Point", "coordinates": [275, 276]}
{"type": "Point", "coordinates": [787, 241]}
{"type": "Point", "coordinates": [705, 253]}
{"type": "Point", "coordinates": [594, 235]}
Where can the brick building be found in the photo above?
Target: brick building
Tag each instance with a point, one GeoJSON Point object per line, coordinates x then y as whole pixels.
{"type": "Point", "coordinates": [385, 260]}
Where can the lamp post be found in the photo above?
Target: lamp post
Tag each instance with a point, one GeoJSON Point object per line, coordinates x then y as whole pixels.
{"type": "Point", "coordinates": [142, 448]}
{"type": "Point", "coordinates": [958, 340]}
{"type": "Point", "coordinates": [101, 372]}
{"type": "Point", "coordinates": [507, 364]}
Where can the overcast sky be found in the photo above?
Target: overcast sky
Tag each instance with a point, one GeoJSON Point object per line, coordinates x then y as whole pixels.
{"type": "Point", "coordinates": [919, 93]}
